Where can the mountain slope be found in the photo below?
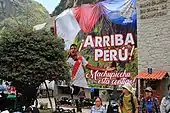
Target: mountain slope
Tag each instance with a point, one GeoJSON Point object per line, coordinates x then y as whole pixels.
{"type": "Point", "coordinates": [21, 12]}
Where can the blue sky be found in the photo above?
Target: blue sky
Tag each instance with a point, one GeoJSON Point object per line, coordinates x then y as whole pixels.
{"type": "Point", "coordinates": [49, 4]}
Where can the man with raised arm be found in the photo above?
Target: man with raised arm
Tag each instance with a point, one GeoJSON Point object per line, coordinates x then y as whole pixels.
{"type": "Point", "coordinates": [77, 62]}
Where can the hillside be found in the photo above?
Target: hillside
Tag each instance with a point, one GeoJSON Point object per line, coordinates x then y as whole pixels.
{"type": "Point", "coordinates": [15, 13]}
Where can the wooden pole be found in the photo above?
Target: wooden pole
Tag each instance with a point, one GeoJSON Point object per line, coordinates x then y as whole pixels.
{"type": "Point", "coordinates": [55, 29]}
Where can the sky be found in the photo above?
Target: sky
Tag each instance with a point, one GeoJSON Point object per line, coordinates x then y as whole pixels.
{"type": "Point", "coordinates": [49, 4]}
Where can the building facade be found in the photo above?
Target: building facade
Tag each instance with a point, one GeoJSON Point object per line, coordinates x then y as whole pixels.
{"type": "Point", "coordinates": [153, 37]}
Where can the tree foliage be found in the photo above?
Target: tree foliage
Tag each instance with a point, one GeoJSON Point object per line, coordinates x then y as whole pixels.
{"type": "Point", "coordinates": [29, 58]}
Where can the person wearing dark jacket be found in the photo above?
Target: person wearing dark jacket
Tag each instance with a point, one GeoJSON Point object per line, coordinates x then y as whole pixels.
{"type": "Point", "coordinates": [149, 104]}
{"type": "Point", "coordinates": [165, 103]}
{"type": "Point", "coordinates": [81, 96]}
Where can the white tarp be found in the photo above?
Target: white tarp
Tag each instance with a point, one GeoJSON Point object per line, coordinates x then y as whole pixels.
{"type": "Point", "coordinates": [67, 27]}
{"type": "Point", "coordinates": [50, 85]}
{"type": "Point", "coordinates": [39, 27]}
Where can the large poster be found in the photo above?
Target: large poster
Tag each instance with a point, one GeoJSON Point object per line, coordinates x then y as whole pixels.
{"type": "Point", "coordinates": [105, 36]}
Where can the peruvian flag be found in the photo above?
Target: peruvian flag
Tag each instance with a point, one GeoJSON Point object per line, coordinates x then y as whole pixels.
{"type": "Point", "coordinates": [71, 21]}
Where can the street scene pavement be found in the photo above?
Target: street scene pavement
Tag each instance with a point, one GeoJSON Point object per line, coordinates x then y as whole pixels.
{"type": "Point", "coordinates": [46, 100]}
{"type": "Point", "coordinates": [83, 53]}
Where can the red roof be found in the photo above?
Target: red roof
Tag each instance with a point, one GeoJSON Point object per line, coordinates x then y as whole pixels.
{"type": "Point", "coordinates": [156, 75]}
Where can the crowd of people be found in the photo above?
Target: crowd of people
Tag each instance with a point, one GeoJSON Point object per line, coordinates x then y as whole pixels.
{"type": "Point", "coordinates": [128, 102]}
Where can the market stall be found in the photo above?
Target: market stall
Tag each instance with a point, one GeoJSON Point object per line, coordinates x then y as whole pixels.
{"type": "Point", "coordinates": [157, 79]}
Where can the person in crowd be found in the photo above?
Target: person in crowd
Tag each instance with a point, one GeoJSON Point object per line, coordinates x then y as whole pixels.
{"type": "Point", "coordinates": [98, 108]}
{"type": "Point", "coordinates": [128, 103]}
{"type": "Point", "coordinates": [3, 101]}
{"type": "Point", "coordinates": [72, 91]}
{"type": "Point", "coordinates": [13, 90]}
{"type": "Point", "coordinates": [92, 93]}
{"type": "Point", "coordinates": [165, 103]}
{"type": "Point", "coordinates": [81, 96]}
{"type": "Point", "coordinates": [149, 104]}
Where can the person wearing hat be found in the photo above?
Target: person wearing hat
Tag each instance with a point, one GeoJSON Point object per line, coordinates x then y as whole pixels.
{"type": "Point", "coordinates": [149, 104]}
{"type": "Point", "coordinates": [128, 102]}
{"type": "Point", "coordinates": [165, 103]}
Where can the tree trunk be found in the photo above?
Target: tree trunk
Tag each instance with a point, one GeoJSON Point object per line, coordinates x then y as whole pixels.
{"type": "Point", "coordinates": [49, 96]}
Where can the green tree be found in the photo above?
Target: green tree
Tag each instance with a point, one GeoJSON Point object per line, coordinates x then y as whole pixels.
{"type": "Point", "coordinates": [29, 58]}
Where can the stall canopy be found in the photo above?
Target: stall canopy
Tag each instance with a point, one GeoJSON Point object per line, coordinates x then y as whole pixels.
{"type": "Point", "coordinates": [155, 75]}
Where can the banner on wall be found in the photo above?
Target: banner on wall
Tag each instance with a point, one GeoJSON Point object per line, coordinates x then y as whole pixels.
{"type": "Point", "coordinates": [105, 35]}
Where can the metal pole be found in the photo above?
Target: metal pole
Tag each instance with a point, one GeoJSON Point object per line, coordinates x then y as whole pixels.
{"type": "Point", "coordinates": [139, 88]}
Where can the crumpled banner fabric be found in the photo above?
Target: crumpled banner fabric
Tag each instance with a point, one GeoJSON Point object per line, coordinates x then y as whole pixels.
{"type": "Point", "coordinates": [120, 11]}
{"type": "Point", "coordinates": [67, 27]}
{"type": "Point", "coordinates": [87, 15]}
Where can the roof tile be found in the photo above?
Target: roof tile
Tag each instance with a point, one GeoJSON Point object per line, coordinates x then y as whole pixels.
{"type": "Point", "coordinates": [156, 75]}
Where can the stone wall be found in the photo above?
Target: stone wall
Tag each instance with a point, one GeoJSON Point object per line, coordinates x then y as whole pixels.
{"type": "Point", "coordinates": [153, 34]}
{"type": "Point", "coordinates": [5, 9]}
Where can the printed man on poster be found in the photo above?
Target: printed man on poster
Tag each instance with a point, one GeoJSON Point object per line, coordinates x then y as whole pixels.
{"type": "Point", "coordinates": [77, 62]}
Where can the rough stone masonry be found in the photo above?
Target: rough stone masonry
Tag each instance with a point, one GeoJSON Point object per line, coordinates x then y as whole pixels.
{"type": "Point", "coordinates": [153, 34]}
